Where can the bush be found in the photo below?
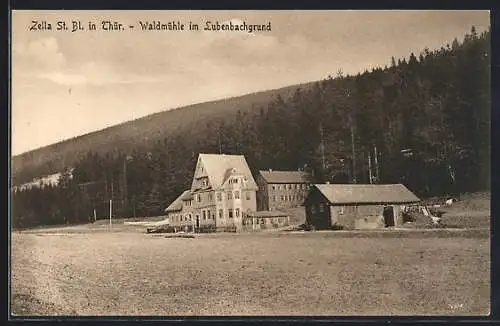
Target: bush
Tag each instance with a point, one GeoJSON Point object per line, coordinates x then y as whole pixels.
{"type": "Point", "coordinates": [207, 229]}
{"type": "Point", "coordinates": [408, 217]}
{"type": "Point", "coordinates": [231, 228]}
{"type": "Point", "coordinates": [337, 227]}
{"type": "Point", "coordinates": [161, 229]}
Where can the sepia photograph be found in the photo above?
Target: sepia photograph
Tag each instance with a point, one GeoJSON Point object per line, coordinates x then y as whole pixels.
{"type": "Point", "coordinates": [279, 163]}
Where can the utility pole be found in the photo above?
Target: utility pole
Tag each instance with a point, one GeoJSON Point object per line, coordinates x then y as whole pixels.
{"type": "Point", "coordinates": [370, 167]}
{"type": "Point", "coordinates": [125, 190]}
{"type": "Point", "coordinates": [220, 143]}
{"type": "Point", "coordinates": [111, 200]}
{"type": "Point", "coordinates": [110, 212]}
{"type": "Point", "coordinates": [353, 155]}
{"type": "Point", "coordinates": [322, 147]}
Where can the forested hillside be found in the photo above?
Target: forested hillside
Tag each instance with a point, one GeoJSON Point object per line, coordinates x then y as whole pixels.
{"type": "Point", "coordinates": [423, 121]}
{"type": "Point", "coordinates": [133, 134]}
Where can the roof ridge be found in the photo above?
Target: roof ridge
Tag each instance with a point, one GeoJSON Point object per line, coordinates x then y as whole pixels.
{"type": "Point", "coordinates": [215, 154]}
{"type": "Point", "coordinates": [271, 171]}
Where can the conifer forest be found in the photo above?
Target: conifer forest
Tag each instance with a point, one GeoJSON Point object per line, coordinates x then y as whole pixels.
{"type": "Point", "coordinates": [423, 121]}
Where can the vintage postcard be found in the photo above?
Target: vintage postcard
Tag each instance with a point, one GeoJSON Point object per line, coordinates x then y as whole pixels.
{"type": "Point", "coordinates": [250, 163]}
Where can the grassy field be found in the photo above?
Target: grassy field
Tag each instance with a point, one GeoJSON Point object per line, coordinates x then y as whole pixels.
{"type": "Point", "coordinates": [87, 270]}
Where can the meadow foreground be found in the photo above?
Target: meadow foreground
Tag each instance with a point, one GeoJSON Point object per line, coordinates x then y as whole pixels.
{"type": "Point", "coordinates": [126, 272]}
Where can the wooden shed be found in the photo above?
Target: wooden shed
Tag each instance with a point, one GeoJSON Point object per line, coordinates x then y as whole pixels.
{"type": "Point", "coordinates": [354, 206]}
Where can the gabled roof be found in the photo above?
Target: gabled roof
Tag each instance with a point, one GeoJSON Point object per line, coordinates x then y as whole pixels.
{"type": "Point", "coordinates": [176, 205]}
{"type": "Point", "coordinates": [218, 165]}
{"type": "Point", "coordinates": [285, 176]}
{"type": "Point", "coordinates": [367, 194]}
{"type": "Point", "coordinates": [186, 195]}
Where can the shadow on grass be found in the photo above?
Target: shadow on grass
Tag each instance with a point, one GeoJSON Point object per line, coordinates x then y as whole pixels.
{"type": "Point", "coordinates": [27, 306]}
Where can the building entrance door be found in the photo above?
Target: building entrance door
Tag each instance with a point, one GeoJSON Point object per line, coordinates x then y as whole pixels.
{"type": "Point", "coordinates": [389, 216]}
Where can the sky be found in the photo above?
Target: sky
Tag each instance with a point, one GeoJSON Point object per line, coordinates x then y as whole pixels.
{"type": "Point", "coordinates": [66, 84]}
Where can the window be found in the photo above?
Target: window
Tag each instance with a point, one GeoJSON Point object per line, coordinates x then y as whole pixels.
{"type": "Point", "coordinates": [229, 195]}
{"type": "Point", "coordinates": [208, 214]}
{"type": "Point", "coordinates": [313, 209]}
{"type": "Point", "coordinates": [321, 207]}
{"type": "Point", "coordinates": [248, 195]}
{"type": "Point", "coordinates": [282, 198]}
{"type": "Point", "coordinates": [279, 219]}
{"type": "Point", "coordinates": [230, 213]}
{"type": "Point", "coordinates": [274, 198]}
{"type": "Point", "coordinates": [273, 187]}
{"type": "Point", "coordinates": [204, 214]}
{"type": "Point", "coordinates": [220, 213]}
{"type": "Point", "coordinates": [219, 196]}
{"type": "Point", "coordinates": [190, 217]}
{"type": "Point", "coordinates": [205, 182]}
{"type": "Point", "coordinates": [341, 211]}
{"type": "Point", "coordinates": [236, 194]}
{"type": "Point", "coordinates": [210, 197]}
{"type": "Point", "coordinates": [304, 186]}
{"type": "Point", "coordinates": [237, 212]}
{"type": "Point", "coordinates": [198, 198]}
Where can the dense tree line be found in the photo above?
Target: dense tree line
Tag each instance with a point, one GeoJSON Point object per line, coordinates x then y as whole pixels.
{"type": "Point", "coordinates": [422, 121]}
